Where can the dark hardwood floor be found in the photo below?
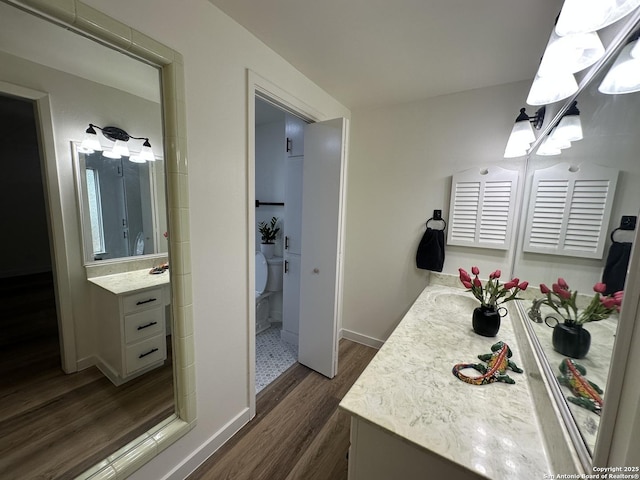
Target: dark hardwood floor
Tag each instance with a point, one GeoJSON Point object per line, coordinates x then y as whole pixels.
{"type": "Point", "coordinates": [298, 432]}
{"type": "Point", "coordinates": [53, 425]}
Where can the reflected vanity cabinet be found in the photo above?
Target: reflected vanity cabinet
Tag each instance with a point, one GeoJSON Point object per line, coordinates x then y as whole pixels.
{"type": "Point", "coordinates": [131, 331]}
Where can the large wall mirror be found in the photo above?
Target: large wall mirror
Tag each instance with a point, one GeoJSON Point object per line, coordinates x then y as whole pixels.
{"type": "Point", "coordinates": [609, 148]}
{"type": "Point", "coordinates": [77, 67]}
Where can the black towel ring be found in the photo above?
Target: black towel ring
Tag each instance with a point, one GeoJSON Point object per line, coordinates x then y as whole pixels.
{"type": "Point", "coordinates": [437, 220]}
{"type": "Point", "coordinates": [614, 231]}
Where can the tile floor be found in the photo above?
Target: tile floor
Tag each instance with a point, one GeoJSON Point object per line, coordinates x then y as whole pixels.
{"type": "Point", "coordinates": [273, 356]}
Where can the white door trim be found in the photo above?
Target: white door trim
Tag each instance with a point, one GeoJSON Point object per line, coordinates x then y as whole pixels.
{"type": "Point", "coordinates": [59, 254]}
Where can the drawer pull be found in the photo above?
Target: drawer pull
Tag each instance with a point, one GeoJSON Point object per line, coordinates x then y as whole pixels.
{"type": "Point", "coordinates": [142, 355]}
{"type": "Point", "coordinates": [150, 324]}
{"type": "Point", "coordinates": [142, 302]}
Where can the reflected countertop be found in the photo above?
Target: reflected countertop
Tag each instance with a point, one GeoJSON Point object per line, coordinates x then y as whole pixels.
{"type": "Point", "coordinates": [597, 362]}
{"type": "Point", "coordinates": [119, 283]}
{"type": "Point", "coordinates": [408, 390]}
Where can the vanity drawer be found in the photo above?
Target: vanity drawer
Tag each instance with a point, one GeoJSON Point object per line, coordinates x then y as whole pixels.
{"type": "Point", "coordinates": [142, 300]}
{"type": "Point", "coordinates": [145, 324]}
{"type": "Point", "coordinates": [145, 353]}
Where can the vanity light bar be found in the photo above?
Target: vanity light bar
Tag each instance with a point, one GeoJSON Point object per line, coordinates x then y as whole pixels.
{"type": "Point", "coordinates": [120, 149]}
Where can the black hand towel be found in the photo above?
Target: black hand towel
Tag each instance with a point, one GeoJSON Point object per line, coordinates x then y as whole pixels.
{"type": "Point", "coordinates": [430, 255]}
{"type": "Point", "coordinates": [615, 271]}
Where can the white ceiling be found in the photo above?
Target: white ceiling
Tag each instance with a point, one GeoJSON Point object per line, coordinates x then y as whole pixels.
{"type": "Point", "coordinates": [374, 52]}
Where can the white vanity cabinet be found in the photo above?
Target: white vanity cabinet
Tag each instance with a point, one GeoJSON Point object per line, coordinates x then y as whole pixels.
{"type": "Point", "coordinates": [131, 330]}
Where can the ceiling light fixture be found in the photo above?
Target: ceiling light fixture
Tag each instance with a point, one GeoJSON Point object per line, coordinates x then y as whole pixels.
{"type": "Point", "coordinates": [522, 135]}
{"type": "Point", "coordinates": [91, 144]}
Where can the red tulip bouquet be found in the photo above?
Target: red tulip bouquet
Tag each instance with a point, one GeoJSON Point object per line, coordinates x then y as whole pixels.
{"type": "Point", "coordinates": [493, 293]}
{"type": "Point", "coordinates": [561, 299]}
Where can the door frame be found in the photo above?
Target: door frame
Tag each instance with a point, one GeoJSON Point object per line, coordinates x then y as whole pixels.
{"type": "Point", "coordinates": [55, 225]}
{"type": "Point", "coordinates": [258, 86]}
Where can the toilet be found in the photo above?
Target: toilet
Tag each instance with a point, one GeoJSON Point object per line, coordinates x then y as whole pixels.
{"type": "Point", "coordinates": [268, 282]}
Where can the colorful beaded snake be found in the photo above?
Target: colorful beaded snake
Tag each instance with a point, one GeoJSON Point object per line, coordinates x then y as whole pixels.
{"type": "Point", "coordinates": [495, 371]}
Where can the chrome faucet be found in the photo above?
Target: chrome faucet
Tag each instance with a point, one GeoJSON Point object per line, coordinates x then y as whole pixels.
{"type": "Point", "coordinates": [534, 310]}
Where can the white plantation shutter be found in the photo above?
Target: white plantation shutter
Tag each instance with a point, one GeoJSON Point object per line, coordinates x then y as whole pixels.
{"type": "Point", "coordinates": [481, 208]}
{"type": "Point", "coordinates": [569, 210]}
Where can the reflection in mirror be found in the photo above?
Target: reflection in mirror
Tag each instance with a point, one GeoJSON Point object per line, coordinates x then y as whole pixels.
{"type": "Point", "coordinates": [610, 140]}
{"type": "Point", "coordinates": [56, 424]}
{"type": "Point", "coordinates": [122, 207]}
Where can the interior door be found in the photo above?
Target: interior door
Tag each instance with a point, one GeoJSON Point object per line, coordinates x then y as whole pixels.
{"type": "Point", "coordinates": [322, 231]}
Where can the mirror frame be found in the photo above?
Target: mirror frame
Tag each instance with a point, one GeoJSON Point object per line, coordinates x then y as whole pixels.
{"type": "Point", "coordinates": [619, 34]}
{"type": "Point", "coordinates": [89, 22]}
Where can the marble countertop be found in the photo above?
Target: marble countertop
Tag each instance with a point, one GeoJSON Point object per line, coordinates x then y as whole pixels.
{"type": "Point", "coordinates": [409, 391]}
{"type": "Point", "coordinates": [119, 283]}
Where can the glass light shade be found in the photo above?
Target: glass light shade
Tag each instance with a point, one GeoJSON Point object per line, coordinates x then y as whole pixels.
{"type": "Point", "coordinates": [85, 150]}
{"type": "Point", "coordinates": [558, 141]}
{"type": "Point", "coordinates": [571, 53]}
{"type": "Point", "coordinates": [120, 148]}
{"type": "Point", "coordinates": [522, 134]}
{"type": "Point", "coordinates": [624, 74]}
{"type": "Point", "coordinates": [581, 16]}
{"type": "Point", "coordinates": [111, 154]}
{"type": "Point", "coordinates": [552, 88]}
{"type": "Point", "coordinates": [569, 128]}
{"type": "Point", "coordinates": [547, 148]}
{"type": "Point", "coordinates": [635, 49]}
{"type": "Point", "coordinates": [146, 154]}
{"type": "Point", "coordinates": [137, 159]}
{"type": "Point", "coordinates": [91, 142]}
{"type": "Point", "coordinates": [515, 148]}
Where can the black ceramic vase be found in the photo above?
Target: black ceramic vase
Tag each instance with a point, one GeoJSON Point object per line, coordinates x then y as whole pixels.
{"type": "Point", "coordinates": [571, 339]}
{"type": "Point", "coordinates": [486, 321]}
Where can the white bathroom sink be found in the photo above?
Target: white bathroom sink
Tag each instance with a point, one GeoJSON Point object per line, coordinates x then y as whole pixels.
{"type": "Point", "coordinates": [455, 302]}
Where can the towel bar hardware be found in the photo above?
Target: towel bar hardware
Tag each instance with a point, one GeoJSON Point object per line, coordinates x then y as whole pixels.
{"type": "Point", "coordinates": [258, 203]}
{"type": "Point", "coordinates": [437, 216]}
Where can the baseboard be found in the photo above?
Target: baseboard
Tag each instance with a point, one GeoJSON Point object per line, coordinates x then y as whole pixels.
{"type": "Point", "coordinates": [85, 362]}
{"type": "Point", "coordinates": [289, 337]}
{"type": "Point", "coordinates": [362, 339]}
{"type": "Point", "coordinates": [198, 457]}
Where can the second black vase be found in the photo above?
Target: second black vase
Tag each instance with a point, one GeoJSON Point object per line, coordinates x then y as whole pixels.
{"type": "Point", "coordinates": [486, 321]}
{"type": "Point", "coordinates": [571, 339]}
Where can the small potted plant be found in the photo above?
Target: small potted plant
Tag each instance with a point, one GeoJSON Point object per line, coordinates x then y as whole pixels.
{"type": "Point", "coordinates": [569, 337]}
{"type": "Point", "coordinates": [268, 232]}
{"type": "Point", "coordinates": [486, 317]}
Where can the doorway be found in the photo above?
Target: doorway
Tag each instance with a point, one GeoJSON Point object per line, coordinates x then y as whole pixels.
{"type": "Point", "coordinates": [278, 188]}
{"type": "Point", "coordinates": [322, 212]}
{"type": "Point", "coordinates": [28, 306]}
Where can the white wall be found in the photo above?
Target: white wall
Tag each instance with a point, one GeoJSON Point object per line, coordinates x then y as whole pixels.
{"type": "Point", "coordinates": [217, 52]}
{"type": "Point", "coordinates": [270, 153]}
{"type": "Point", "coordinates": [400, 166]}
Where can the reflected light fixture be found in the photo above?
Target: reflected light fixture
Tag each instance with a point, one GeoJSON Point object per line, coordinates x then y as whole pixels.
{"type": "Point", "coordinates": [570, 128]}
{"type": "Point", "coordinates": [548, 148]}
{"type": "Point", "coordinates": [624, 74]}
{"type": "Point", "coordinates": [570, 53]}
{"type": "Point", "coordinates": [581, 16]}
{"type": "Point", "coordinates": [522, 135]}
{"type": "Point", "coordinates": [552, 88]}
{"type": "Point", "coordinates": [91, 143]}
